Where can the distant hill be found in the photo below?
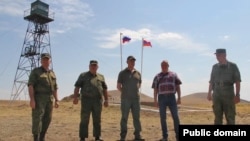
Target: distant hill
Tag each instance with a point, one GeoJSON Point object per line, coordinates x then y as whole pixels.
{"type": "Point", "coordinates": [200, 98]}
{"type": "Point", "coordinates": [193, 99]}
{"type": "Point", "coordinates": [115, 94]}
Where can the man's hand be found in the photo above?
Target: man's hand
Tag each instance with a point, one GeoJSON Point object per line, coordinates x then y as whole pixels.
{"type": "Point", "coordinates": [236, 99]}
{"type": "Point", "coordinates": [156, 104]}
{"type": "Point", "coordinates": [56, 104]}
{"type": "Point", "coordinates": [32, 104]}
{"type": "Point", "coordinates": [179, 101]}
{"type": "Point", "coordinates": [75, 101]}
{"type": "Point", "coordinates": [106, 103]}
{"type": "Point", "coordinates": [209, 96]}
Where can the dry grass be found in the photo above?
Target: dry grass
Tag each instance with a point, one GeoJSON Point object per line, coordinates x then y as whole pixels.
{"type": "Point", "coordinates": [15, 121]}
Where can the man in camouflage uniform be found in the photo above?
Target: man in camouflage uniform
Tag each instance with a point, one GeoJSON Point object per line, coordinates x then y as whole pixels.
{"type": "Point", "coordinates": [93, 87]}
{"type": "Point", "coordinates": [42, 88]}
{"type": "Point", "coordinates": [223, 77]}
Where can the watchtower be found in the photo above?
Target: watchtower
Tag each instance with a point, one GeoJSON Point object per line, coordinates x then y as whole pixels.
{"type": "Point", "coordinates": [36, 42]}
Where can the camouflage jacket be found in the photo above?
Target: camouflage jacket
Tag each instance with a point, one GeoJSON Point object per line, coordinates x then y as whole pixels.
{"type": "Point", "coordinates": [44, 82]}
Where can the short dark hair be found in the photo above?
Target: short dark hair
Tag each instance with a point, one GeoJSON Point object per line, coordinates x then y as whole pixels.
{"type": "Point", "coordinates": [45, 55]}
{"type": "Point", "coordinates": [131, 58]}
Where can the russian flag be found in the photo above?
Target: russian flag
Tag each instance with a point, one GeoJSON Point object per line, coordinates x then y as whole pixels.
{"type": "Point", "coordinates": [146, 43]}
{"type": "Point", "coordinates": [125, 39]}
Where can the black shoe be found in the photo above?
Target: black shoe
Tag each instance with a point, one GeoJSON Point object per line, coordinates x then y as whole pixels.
{"type": "Point", "coordinates": [82, 139]}
{"type": "Point", "coordinates": [163, 139]}
{"type": "Point", "coordinates": [42, 136]}
{"type": "Point", "coordinates": [35, 137]}
{"type": "Point", "coordinates": [42, 139]}
{"type": "Point", "coordinates": [98, 139]}
{"type": "Point", "coordinates": [139, 139]}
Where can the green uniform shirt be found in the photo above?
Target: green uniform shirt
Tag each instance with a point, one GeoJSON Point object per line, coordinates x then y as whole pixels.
{"type": "Point", "coordinates": [43, 81]}
{"type": "Point", "coordinates": [131, 82]}
{"type": "Point", "coordinates": [224, 75]}
{"type": "Point", "coordinates": [92, 86]}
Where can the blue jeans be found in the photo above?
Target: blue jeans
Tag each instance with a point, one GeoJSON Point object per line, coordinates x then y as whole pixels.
{"type": "Point", "coordinates": [168, 100]}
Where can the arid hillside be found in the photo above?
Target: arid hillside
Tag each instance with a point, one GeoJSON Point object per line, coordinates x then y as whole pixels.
{"type": "Point", "coordinates": [191, 99]}
{"type": "Point", "coordinates": [15, 119]}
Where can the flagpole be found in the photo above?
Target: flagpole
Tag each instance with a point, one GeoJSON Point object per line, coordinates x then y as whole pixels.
{"type": "Point", "coordinates": [141, 56]}
{"type": "Point", "coordinates": [121, 48]}
{"type": "Point", "coordinates": [141, 61]}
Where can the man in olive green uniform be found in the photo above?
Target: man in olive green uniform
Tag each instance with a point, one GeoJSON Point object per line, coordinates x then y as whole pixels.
{"type": "Point", "coordinates": [42, 88]}
{"type": "Point", "coordinates": [128, 83]}
{"type": "Point", "coordinates": [224, 76]}
{"type": "Point", "coordinates": [93, 88]}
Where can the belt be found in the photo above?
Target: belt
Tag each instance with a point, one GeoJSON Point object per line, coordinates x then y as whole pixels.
{"type": "Point", "coordinates": [43, 93]}
{"type": "Point", "coordinates": [166, 94]}
{"type": "Point", "coordinates": [221, 84]}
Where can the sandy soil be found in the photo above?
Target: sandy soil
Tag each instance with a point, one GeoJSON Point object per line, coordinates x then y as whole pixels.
{"type": "Point", "coordinates": [15, 121]}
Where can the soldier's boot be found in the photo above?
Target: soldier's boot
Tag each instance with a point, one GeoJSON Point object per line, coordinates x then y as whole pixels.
{"type": "Point", "coordinates": [35, 137]}
{"type": "Point", "coordinates": [42, 136]}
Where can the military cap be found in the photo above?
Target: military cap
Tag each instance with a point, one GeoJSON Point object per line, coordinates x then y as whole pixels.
{"type": "Point", "coordinates": [93, 62]}
{"type": "Point", "coordinates": [220, 50]}
{"type": "Point", "coordinates": [131, 58]}
{"type": "Point", "coordinates": [45, 55]}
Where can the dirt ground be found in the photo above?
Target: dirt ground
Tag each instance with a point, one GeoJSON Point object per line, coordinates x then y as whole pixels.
{"type": "Point", "coordinates": [15, 121]}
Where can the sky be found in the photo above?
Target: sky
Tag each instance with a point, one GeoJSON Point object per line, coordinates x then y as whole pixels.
{"type": "Point", "coordinates": [184, 32]}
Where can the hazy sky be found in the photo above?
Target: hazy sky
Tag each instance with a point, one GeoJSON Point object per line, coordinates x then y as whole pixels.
{"type": "Point", "coordinates": [185, 32]}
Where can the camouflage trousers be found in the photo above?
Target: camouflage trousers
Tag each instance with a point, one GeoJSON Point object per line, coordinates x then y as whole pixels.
{"type": "Point", "coordinates": [223, 104]}
{"type": "Point", "coordinates": [42, 114]}
{"type": "Point", "coordinates": [90, 106]}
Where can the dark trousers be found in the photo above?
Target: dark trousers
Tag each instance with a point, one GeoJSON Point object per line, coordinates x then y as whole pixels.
{"type": "Point", "coordinates": [94, 107]}
{"type": "Point", "coordinates": [168, 100]}
{"type": "Point", "coordinates": [134, 106]}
